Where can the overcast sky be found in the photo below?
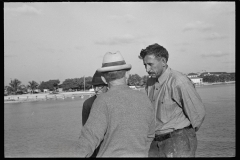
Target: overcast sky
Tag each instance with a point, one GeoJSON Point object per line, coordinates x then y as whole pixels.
{"type": "Point", "coordinates": [60, 40]}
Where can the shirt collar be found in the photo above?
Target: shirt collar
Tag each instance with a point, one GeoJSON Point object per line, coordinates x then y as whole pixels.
{"type": "Point", "coordinates": [164, 75]}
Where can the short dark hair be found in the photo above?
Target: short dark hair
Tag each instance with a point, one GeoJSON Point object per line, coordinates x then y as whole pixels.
{"type": "Point", "coordinates": [154, 49]}
{"type": "Point", "coordinates": [113, 75]}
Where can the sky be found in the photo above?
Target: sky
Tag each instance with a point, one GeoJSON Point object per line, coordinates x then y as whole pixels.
{"type": "Point", "coordinates": [61, 40]}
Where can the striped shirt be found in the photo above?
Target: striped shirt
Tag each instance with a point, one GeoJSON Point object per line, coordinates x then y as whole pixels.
{"type": "Point", "coordinates": [124, 119]}
{"type": "Point", "coordinates": [176, 101]}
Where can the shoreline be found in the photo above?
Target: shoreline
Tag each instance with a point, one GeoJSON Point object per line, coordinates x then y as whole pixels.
{"type": "Point", "coordinates": [215, 83]}
{"type": "Point", "coordinates": [44, 96]}
{"type": "Point", "coordinates": [62, 95]}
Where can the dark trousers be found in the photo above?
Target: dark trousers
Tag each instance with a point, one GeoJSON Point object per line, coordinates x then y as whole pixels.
{"type": "Point", "coordinates": [182, 143]}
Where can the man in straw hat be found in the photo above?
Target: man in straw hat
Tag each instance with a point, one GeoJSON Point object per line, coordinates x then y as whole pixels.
{"type": "Point", "coordinates": [99, 87]}
{"type": "Point", "coordinates": [123, 118]}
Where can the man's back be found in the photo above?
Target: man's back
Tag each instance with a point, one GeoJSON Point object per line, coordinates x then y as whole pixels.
{"type": "Point", "coordinates": [128, 122]}
{"type": "Point", "coordinates": [131, 115]}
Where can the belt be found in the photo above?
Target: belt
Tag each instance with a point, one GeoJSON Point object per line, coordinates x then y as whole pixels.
{"type": "Point", "coordinates": [168, 135]}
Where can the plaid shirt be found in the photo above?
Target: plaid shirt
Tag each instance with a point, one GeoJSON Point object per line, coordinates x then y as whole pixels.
{"type": "Point", "coordinates": [176, 101]}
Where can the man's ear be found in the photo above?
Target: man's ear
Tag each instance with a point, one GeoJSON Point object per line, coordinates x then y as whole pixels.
{"type": "Point", "coordinates": [127, 74]}
{"type": "Point", "coordinates": [164, 61]}
{"type": "Point", "coordinates": [104, 80]}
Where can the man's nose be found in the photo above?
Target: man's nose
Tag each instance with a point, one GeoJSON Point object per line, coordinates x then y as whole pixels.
{"type": "Point", "coordinates": [148, 68]}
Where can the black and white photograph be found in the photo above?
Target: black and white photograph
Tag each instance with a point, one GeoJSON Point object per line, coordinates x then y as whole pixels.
{"type": "Point", "coordinates": [119, 79]}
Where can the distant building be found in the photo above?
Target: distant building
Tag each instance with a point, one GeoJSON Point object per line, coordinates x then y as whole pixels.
{"type": "Point", "coordinates": [133, 87]}
{"type": "Point", "coordinates": [213, 73]}
{"type": "Point", "coordinates": [197, 80]}
{"type": "Point", "coordinates": [195, 77]}
{"type": "Point", "coordinates": [45, 90]}
{"type": "Point", "coordinates": [35, 90]}
{"type": "Point", "coordinates": [91, 90]}
{"type": "Point", "coordinates": [60, 89]}
{"type": "Point", "coordinates": [198, 73]}
{"type": "Point", "coordinates": [192, 75]}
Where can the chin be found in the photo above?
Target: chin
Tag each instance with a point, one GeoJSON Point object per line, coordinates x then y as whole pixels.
{"type": "Point", "coordinates": [152, 76]}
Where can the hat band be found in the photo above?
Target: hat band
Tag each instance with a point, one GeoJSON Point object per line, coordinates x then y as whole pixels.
{"type": "Point", "coordinates": [113, 63]}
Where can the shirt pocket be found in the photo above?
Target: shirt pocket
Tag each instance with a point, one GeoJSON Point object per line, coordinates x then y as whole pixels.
{"type": "Point", "coordinates": [166, 109]}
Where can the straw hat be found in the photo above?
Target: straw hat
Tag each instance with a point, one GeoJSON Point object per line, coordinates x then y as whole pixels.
{"type": "Point", "coordinates": [113, 62]}
{"type": "Point", "coordinates": [97, 79]}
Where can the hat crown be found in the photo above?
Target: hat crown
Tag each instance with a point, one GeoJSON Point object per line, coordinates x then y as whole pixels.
{"type": "Point", "coordinates": [113, 62]}
{"type": "Point", "coordinates": [112, 57]}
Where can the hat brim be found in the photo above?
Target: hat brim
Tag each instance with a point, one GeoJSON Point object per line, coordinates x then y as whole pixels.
{"type": "Point", "coordinates": [115, 68]}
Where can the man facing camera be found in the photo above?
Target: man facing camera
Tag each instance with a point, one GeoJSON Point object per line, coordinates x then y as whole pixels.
{"type": "Point", "coordinates": [179, 108]}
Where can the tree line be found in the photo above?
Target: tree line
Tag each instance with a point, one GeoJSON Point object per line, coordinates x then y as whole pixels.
{"type": "Point", "coordinates": [220, 78]}
{"type": "Point", "coordinates": [84, 83]}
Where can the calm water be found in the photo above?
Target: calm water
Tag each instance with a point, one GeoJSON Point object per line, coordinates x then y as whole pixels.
{"type": "Point", "coordinates": [216, 137]}
{"type": "Point", "coordinates": [51, 128]}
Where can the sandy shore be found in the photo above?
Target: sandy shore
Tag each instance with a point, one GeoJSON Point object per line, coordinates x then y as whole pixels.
{"type": "Point", "coordinates": [63, 95]}
{"type": "Point", "coordinates": [43, 96]}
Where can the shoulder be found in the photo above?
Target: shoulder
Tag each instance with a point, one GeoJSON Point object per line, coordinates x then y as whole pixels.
{"type": "Point", "coordinates": [137, 95]}
{"type": "Point", "coordinates": [100, 99]}
{"type": "Point", "coordinates": [179, 79]}
{"type": "Point", "coordinates": [89, 101]}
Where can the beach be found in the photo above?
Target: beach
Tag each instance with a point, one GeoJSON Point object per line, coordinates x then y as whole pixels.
{"type": "Point", "coordinates": [45, 96]}
{"type": "Point", "coordinates": [63, 95]}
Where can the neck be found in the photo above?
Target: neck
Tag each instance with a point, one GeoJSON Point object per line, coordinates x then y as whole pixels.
{"type": "Point", "coordinates": [164, 69]}
{"type": "Point", "coordinates": [117, 82]}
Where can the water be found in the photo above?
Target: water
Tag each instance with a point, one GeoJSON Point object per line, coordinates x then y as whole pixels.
{"type": "Point", "coordinates": [42, 129]}
{"type": "Point", "coordinates": [51, 128]}
{"type": "Point", "coordinates": [216, 137]}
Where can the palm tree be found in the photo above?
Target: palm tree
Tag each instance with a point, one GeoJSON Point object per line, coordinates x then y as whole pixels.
{"type": "Point", "coordinates": [23, 88]}
{"type": "Point", "coordinates": [33, 85]}
{"type": "Point", "coordinates": [14, 86]}
{"type": "Point", "coordinates": [55, 87]}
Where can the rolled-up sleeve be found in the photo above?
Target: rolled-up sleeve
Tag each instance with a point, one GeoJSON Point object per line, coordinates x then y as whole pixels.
{"type": "Point", "coordinates": [191, 102]}
{"type": "Point", "coordinates": [93, 131]}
